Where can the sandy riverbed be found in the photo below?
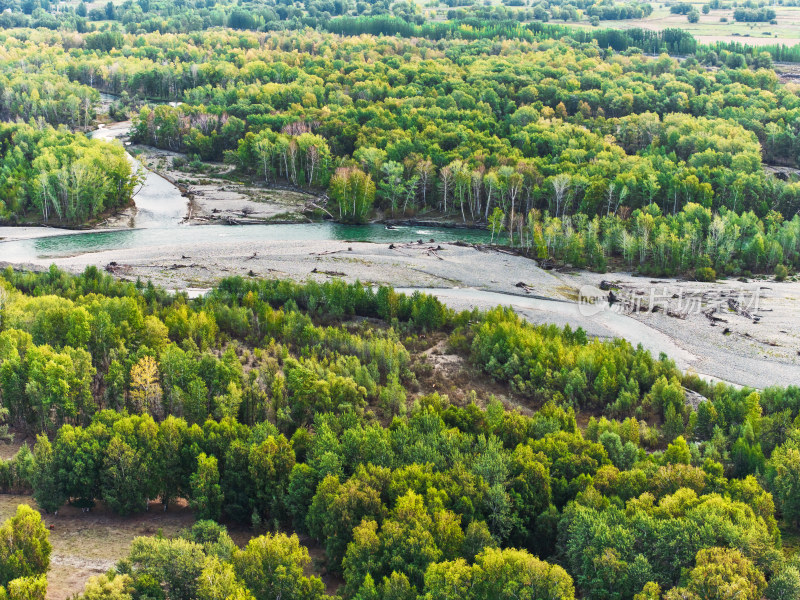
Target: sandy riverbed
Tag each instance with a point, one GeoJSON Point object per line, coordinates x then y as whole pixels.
{"type": "Point", "coordinates": [214, 198]}
{"type": "Point", "coordinates": [751, 337]}
{"type": "Point", "coordinates": [210, 197]}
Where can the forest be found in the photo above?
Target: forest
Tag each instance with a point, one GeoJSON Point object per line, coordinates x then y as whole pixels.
{"type": "Point", "coordinates": [490, 134]}
{"type": "Point", "coordinates": [310, 429]}
{"type": "Point", "coordinates": [62, 177]}
{"type": "Point", "coordinates": [309, 409]}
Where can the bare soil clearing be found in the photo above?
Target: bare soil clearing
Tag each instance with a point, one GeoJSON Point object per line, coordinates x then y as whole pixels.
{"type": "Point", "coordinates": [88, 544]}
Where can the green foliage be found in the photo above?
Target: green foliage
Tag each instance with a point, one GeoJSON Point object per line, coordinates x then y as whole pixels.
{"type": "Point", "coordinates": [59, 176]}
{"type": "Point", "coordinates": [207, 496]}
{"type": "Point", "coordinates": [724, 574]}
{"type": "Point", "coordinates": [26, 588]}
{"type": "Point", "coordinates": [705, 274]}
{"type": "Point", "coordinates": [108, 587]}
{"type": "Point", "coordinates": [435, 497]}
{"type": "Point", "coordinates": [502, 574]}
{"type": "Point", "coordinates": [353, 193]}
{"type": "Point", "coordinates": [272, 567]}
{"type": "Point", "coordinates": [784, 475]}
{"type": "Point", "coordinates": [24, 549]}
{"type": "Point", "coordinates": [542, 362]}
{"type": "Point", "coordinates": [784, 584]}
{"type": "Point", "coordinates": [781, 272]}
{"type": "Point", "coordinates": [169, 565]}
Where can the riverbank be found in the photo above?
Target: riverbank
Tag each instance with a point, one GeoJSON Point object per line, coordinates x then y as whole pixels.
{"type": "Point", "coordinates": [159, 243]}
{"type": "Point", "coordinates": [756, 353]}
{"type": "Point", "coordinates": [214, 197]}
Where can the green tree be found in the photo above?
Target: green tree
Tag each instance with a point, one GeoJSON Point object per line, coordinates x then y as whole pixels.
{"type": "Point", "coordinates": [498, 574]}
{"type": "Point", "coordinates": [27, 588]}
{"type": "Point", "coordinates": [784, 477]}
{"type": "Point", "coordinates": [353, 193]}
{"type": "Point", "coordinates": [218, 581]}
{"type": "Point", "coordinates": [496, 222]}
{"type": "Point", "coordinates": [206, 499]}
{"type": "Point", "coordinates": [108, 587]}
{"type": "Point", "coordinates": [784, 585]}
{"type": "Point", "coordinates": [24, 546]}
{"type": "Point", "coordinates": [172, 565]}
{"type": "Point", "coordinates": [47, 490]}
{"type": "Point", "coordinates": [125, 478]}
{"type": "Point", "coordinates": [271, 566]}
{"type": "Point", "coordinates": [724, 574]}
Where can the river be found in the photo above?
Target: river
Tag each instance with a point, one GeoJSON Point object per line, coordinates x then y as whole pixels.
{"type": "Point", "coordinates": [159, 245]}
{"type": "Point", "coordinates": [161, 210]}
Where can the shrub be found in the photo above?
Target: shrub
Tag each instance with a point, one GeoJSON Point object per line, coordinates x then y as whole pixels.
{"type": "Point", "coordinates": [705, 274]}
{"type": "Point", "coordinates": [781, 272]}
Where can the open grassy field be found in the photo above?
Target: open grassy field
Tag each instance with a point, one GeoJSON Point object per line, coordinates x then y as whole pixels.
{"type": "Point", "coordinates": [710, 29]}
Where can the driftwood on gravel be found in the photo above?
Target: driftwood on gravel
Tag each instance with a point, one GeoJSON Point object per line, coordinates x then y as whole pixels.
{"type": "Point", "coordinates": [528, 289]}
{"type": "Point", "coordinates": [328, 273]}
{"type": "Point", "coordinates": [485, 247]}
{"type": "Point", "coordinates": [677, 315]}
{"type": "Point", "coordinates": [736, 306]}
{"type": "Point", "coordinates": [116, 269]}
{"type": "Point", "coordinates": [429, 250]}
{"type": "Point", "coordinates": [712, 317]}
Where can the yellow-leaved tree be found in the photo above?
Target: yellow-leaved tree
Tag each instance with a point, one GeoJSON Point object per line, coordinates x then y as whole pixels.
{"type": "Point", "coordinates": [145, 392]}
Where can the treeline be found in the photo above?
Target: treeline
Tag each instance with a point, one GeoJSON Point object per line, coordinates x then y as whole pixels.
{"type": "Point", "coordinates": [465, 20]}
{"type": "Point", "coordinates": [54, 176]}
{"type": "Point", "coordinates": [47, 97]}
{"type": "Point", "coordinates": [750, 15]}
{"type": "Point", "coordinates": [517, 10]}
{"type": "Point", "coordinates": [777, 52]}
{"type": "Point", "coordinates": [672, 41]}
{"type": "Point", "coordinates": [266, 403]}
{"type": "Point", "coordinates": [692, 240]}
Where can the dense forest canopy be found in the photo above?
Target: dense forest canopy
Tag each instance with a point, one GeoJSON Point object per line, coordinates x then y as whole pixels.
{"type": "Point", "coordinates": [65, 177]}
{"type": "Point", "coordinates": [524, 137]}
{"type": "Point", "coordinates": [308, 407]}
{"type": "Point", "coordinates": [313, 411]}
